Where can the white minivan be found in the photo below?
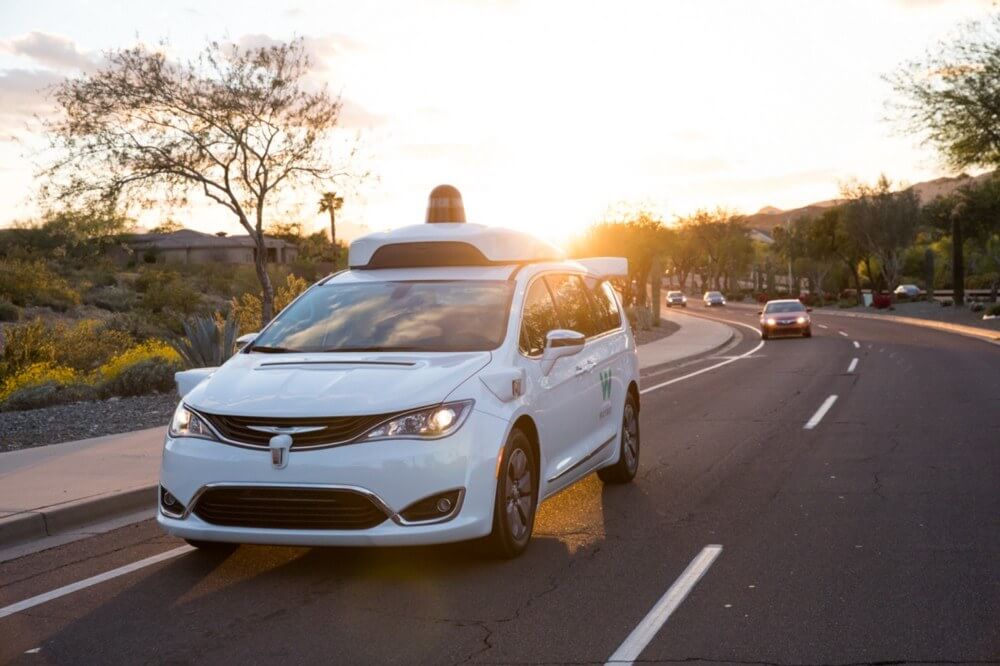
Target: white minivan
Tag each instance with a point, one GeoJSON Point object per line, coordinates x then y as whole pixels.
{"type": "Point", "coordinates": [436, 391]}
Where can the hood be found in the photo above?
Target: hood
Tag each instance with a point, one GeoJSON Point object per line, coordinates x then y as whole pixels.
{"type": "Point", "coordinates": [302, 385]}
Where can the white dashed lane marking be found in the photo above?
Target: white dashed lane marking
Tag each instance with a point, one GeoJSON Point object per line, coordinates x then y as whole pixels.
{"type": "Point", "coordinates": [820, 413]}
{"type": "Point", "coordinates": [854, 364]}
{"type": "Point", "coordinates": [842, 333]}
{"type": "Point", "coordinates": [857, 345]}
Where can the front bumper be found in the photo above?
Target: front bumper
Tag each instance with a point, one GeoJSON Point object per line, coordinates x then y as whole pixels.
{"type": "Point", "coordinates": [785, 329]}
{"type": "Point", "coordinates": [395, 473]}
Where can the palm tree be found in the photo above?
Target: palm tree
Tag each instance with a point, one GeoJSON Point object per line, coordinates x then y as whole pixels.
{"type": "Point", "coordinates": [331, 203]}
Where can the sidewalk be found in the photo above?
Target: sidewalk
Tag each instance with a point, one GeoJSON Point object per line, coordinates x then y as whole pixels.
{"type": "Point", "coordinates": [60, 489]}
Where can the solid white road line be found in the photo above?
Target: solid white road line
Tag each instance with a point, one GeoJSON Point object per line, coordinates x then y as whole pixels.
{"type": "Point", "coordinates": [93, 580]}
{"type": "Point", "coordinates": [854, 364]}
{"type": "Point", "coordinates": [857, 345]}
{"type": "Point", "coordinates": [842, 333]}
{"type": "Point", "coordinates": [823, 326]}
{"type": "Point", "coordinates": [821, 412]}
{"type": "Point", "coordinates": [644, 632]}
{"type": "Point", "coordinates": [711, 367]}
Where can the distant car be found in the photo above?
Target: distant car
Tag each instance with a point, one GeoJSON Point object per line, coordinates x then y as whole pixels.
{"type": "Point", "coordinates": [713, 298]}
{"type": "Point", "coordinates": [908, 290]}
{"type": "Point", "coordinates": [785, 317]}
{"type": "Point", "coordinates": [676, 298]}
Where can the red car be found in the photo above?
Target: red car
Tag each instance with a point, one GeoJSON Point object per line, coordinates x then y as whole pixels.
{"type": "Point", "coordinates": [785, 317]}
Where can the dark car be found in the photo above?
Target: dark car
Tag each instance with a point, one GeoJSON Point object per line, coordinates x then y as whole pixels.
{"type": "Point", "coordinates": [713, 298]}
{"type": "Point", "coordinates": [785, 317]}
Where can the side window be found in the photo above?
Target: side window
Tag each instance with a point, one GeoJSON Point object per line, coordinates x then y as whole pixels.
{"type": "Point", "coordinates": [538, 317]}
{"type": "Point", "coordinates": [573, 304]}
{"type": "Point", "coordinates": [605, 305]}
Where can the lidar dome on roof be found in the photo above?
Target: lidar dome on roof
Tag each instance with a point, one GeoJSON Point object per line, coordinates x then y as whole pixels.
{"type": "Point", "coordinates": [447, 241]}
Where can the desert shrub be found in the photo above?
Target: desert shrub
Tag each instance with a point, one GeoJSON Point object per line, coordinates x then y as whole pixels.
{"type": "Point", "coordinates": [9, 311]}
{"type": "Point", "coordinates": [24, 345]}
{"type": "Point", "coordinates": [946, 302]}
{"type": "Point", "coordinates": [38, 374]}
{"type": "Point", "coordinates": [164, 291]}
{"type": "Point", "coordinates": [144, 368]}
{"type": "Point", "coordinates": [993, 310]}
{"type": "Point", "coordinates": [977, 307]}
{"type": "Point", "coordinates": [33, 283]}
{"type": "Point", "coordinates": [246, 309]}
{"type": "Point", "coordinates": [46, 395]}
{"type": "Point", "coordinates": [207, 341]}
{"type": "Point", "coordinates": [112, 298]}
{"type": "Point", "coordinates": [88, 344]}
{"type": "Point", "coordinates": [850, 303]}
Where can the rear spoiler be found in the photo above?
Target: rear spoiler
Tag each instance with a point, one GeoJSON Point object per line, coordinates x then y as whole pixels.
{"type": "Point", "coordinates": [606, 266]}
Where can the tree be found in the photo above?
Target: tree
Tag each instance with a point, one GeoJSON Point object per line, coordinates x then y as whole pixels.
{"type": "Point", "coordinates": [725, 241]}
{"type": "Point", "coordinates": [831, 231]}
{"type": "Point", "coordinates": [238, 125]}
{"type": "Point", "coordinates": [331, 203]}
{"type": "Point", "coordinates": [168, 226]}
{"type": "Point", "coordinates": [885, 222]}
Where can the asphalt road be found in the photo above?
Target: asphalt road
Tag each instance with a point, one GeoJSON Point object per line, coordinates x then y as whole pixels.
{"type": "Point", "coordinates": [871, 538]}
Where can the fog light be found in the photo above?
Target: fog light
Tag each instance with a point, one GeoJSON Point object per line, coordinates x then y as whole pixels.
{"type": "Point", "coordinates": [170, 505]}
{"type": "Point", "coordinates": [444, 505]}
{"type": "Point", "coordinates": [437, 507]}
{"type": "Point", "coordinates": [169, 500]}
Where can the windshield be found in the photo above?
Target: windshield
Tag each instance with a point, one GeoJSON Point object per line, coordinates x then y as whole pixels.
{"type": "Point", "coordinates": [431, 316]}
{"type": "Point", "coordinates": [713, 294]}
{"type": "Point", "coordinates": [673, 294]}
{"type": "Point", "coordinates": [773, 308]}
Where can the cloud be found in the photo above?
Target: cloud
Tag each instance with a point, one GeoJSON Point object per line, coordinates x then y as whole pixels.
{"type": "Point", "coordinates": [319, 49]}
{"type": "Point", "coordinates": [46, 49]}
{"type": "Point", "coordinates": [25, 93]}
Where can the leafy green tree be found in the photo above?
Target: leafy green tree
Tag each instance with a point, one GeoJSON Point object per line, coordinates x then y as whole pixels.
{"type": "Point", "coordinates": [239, 126]}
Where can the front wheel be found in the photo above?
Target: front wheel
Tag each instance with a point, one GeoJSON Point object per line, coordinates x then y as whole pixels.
{"type": "Point", "coordinates": [516, 498]}
{"type": "Point", "coordinates": [624, 470]}
{"type": "Point", "coordinates": [764, 335]}
{"type": "Point", "coordinates": [808, 333]}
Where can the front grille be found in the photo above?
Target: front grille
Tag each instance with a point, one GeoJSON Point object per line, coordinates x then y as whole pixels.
{"type": "Point", "coordinates": [335, 429]}
{"type": "Point", "coordinates": [288, 508]}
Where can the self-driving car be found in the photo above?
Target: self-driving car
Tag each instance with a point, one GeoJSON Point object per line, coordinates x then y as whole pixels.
{"type": "Point", "coordinates": [451, 379]}
{"type": "Point", "coordinates": [676, 298]}
{"type": "Point", "coordinates": [785, 317]}
{"type": "Point", "coordinates": [713, 298]}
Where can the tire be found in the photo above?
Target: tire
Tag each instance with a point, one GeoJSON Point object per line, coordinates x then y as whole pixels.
{"type": "Point", "coordinates": [629, 442]}
{"type": "Point", "coordinates": [516, 498]}
{"type": "Point", "coordinates": [213, 547]}
{"type": "Point", "coordinates": [808, 333]}
{"type": "Point", "coordinates": [764, 335]}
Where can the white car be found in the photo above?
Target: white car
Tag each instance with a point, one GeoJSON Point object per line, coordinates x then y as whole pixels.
{"type": "Point", "coordinates": [907, 290]}
{"type": "Point", "coordinates": [436, 391]}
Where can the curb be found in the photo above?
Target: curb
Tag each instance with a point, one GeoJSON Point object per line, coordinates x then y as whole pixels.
{"type": "Point", "coordinates": [659, 367]}
{"type": "Point", "coordinates": [984, 334]}
{"type": "Point", "coordinates": [59, 519]}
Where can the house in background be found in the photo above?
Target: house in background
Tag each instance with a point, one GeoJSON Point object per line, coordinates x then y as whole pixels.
{"type": "Point", "coordinates": [188, 246]}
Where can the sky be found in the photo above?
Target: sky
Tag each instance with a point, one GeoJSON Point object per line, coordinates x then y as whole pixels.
{"type": "Point", "coordinates": [546, 114]}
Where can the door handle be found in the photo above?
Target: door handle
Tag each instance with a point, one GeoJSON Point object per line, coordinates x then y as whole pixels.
{"type": "Point", "coordinates": [585, 366]}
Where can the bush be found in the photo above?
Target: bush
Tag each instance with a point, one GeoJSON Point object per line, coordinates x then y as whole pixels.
{"type": "Point", "coordinates": [849, 303]}
{"type": "Point", "coordinates": [35, 376]}
{"type": "Point", "coordinates": [166, 291]}
{"type": "Point", "coordinates": [88, 344]}
{"type": "Point", "coordinates": [208, 341]}
{"type": "Point", "coordinates": [246, 309]}
{"type": "Point", "coordinates": [32, 283]}
{"type": "Point", "coordinates": [24, 345]}
{"type": "Point", "coordinates": [947, 302]}
{"type": "Point", "coordinates": [46, 395]}
{"type": "Point", "coordinates": [144, 376]}
{"type": "Point", "coordinates": [9, 311]}
{"type": "Point", "coordinates": [113, 299]}
{"type": "Point", "coordinates": [977, 307]}
{"type": "Point", "coordinates": [807, 299]}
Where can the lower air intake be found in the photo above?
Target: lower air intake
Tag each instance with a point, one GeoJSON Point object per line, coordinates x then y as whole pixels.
{"type": "Point", "coordinates": [288, 508]}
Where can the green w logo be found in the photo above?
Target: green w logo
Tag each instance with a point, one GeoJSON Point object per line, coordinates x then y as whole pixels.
{"type": "Point", "coordinates": [606, 384]}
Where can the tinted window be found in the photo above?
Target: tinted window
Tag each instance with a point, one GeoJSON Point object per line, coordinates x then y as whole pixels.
{"type": "Point", "coordinates": [605, 306]}
{"type": "Point", "coordinates": [538, 317]}
{"type": "Point", "coordinates": [457, 315]}
{"type": "Point", "coordinates": [573, 304]}
{"type": "Point", "coordinates": [784, 307]}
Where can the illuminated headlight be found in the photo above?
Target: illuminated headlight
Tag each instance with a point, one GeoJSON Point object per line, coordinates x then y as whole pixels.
{"type": "Point", "coordinates": [429, 423]}
{"type": "Point", "coordinates": [771, 321]}
{"type": "Point", "coordinates": [186, 423]}
{"type": "Point", "coordinates": [801, 320]}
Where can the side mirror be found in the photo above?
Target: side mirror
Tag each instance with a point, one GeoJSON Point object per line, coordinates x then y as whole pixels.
{"type": "Point", "coordinates": [559, 343]}
{"type": "Point", "coordinates": [246, 339]}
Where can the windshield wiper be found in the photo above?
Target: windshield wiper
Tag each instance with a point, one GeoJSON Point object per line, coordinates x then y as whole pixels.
{"type": "Point", "coordinates": [375, 349]}
{"type": "Point", "coordinates": [273, 350]}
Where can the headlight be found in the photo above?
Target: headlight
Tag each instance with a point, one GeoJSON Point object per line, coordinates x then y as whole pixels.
{"type": "Point", "coordinates": [186, 423]}
{"type": "Point", "coordinates": [801, 320]}
{"type": "Point", "coordinates": [771, 321]}
{"type": "Point", "coordinates": [429, 423]}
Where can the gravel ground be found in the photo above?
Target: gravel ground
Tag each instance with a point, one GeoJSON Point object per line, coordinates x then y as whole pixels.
{"type": "Point", "coordinates": [81, 420]}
